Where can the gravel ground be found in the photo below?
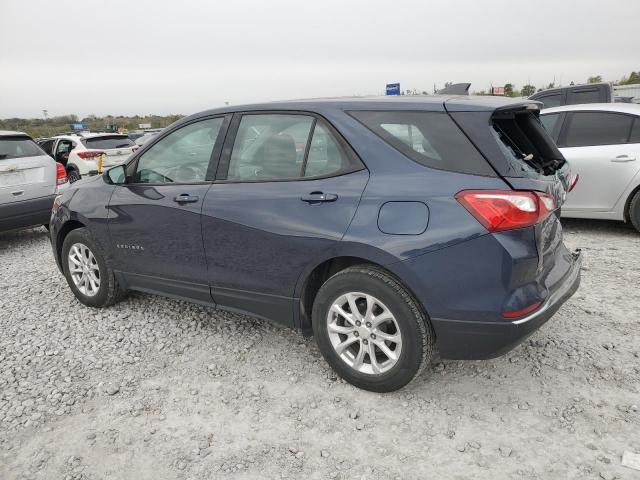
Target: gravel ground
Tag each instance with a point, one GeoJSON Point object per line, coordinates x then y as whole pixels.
{"type": "Point", "coordinates": [160, 389]}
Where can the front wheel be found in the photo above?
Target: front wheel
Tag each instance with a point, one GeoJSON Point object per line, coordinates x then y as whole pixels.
{"type": "Point", "coordinates": [371, 330]}
{"type": "Point", "coordinates": [88, 274]}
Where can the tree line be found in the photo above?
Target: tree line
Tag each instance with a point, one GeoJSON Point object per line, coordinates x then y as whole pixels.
{"type": "Point", "coordinates": [50, 126]}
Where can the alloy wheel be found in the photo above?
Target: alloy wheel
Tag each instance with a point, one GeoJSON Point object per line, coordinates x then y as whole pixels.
{"type": "Point", "coordinates": [364, 333]}
{"type": "Point", "coordinates": [84, 269]}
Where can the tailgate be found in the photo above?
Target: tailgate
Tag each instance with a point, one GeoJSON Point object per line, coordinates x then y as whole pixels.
{"type": "Point", "coordinates": [117, 148]}
{"type": "Point", "coordinates": [116, 156]}
{"type": "Point", "coordinates": [27, 178]}
{"type": "Point", "coordinates": [520, 150]}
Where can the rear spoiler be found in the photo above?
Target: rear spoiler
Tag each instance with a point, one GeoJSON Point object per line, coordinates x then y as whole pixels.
{"type": "Point", "coordinates": [520, 107]}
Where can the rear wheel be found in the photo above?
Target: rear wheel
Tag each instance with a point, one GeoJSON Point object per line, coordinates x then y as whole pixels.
{"type": "Point", "coordinates": [634, 211]}
{"type": "Point", "coordinates": [88, 274]}
{"type": "Point", "coordinates": [73, 175]}
{"type": "Point", "coordinates": [371, 330]}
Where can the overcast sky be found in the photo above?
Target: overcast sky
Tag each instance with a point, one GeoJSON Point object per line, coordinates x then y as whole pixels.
{"type": "Point", "coordinates": [181, 56]}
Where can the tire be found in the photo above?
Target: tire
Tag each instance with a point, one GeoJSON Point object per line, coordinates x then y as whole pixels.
{"type": "Point", "coordinates": [98, 294]}
{"type": "Point", "coordinates": [73, 175]}
{"type": "Point", "coordinates": [634, 211]}
{"type": "Point", "coordinates": [363, 286]}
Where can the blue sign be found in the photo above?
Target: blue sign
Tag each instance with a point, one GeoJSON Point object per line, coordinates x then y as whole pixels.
{"type": "Point", "coordinates": [393, 89]}
{"type": "Point", "coordinates": [78, 126]}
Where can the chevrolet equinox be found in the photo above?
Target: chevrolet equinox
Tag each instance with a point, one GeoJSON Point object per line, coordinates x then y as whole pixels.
{"type": "Point", "coordinates": [384, 227]}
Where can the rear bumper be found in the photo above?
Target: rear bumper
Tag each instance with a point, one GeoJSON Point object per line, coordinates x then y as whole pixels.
{"type": "Point", "coordinates": [26, 213]}
{"type": "Point", "coordinates": [477, 340]}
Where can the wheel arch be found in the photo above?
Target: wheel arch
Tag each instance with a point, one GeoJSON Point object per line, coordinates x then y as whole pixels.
{"type": "Point", "coordinates": [317, 274]}
{"type": "Point", "coordinates": [62, 233]}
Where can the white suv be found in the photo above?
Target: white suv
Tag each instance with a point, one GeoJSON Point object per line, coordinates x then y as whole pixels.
{"type": "Point", "coordinates": [88, 153]}
{"type": "Point", "coordinates": [29, 181]}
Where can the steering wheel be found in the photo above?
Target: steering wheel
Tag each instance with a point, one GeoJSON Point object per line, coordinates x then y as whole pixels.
{"type": "Point", "coordinates": [188, 172]}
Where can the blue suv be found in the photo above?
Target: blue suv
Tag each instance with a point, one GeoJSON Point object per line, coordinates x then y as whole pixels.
{"type": "Point", "coordinates": [385, 227]}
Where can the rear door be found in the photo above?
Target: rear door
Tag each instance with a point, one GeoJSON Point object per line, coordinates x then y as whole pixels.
{"type": "Point", "coordinates": [286, 190]}
{"type": "Point", "coordinates": [26, 172]}
{"type": "Point", "coordinates": [62, 148]}
{"type": "Point", "coordinates": [596, 144]}
{"type": "Point", "coordinates": [154, 217]}
{"type": "Point", "coordinates": [117, 148]}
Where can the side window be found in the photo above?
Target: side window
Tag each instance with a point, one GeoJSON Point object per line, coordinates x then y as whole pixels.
{"type": "Point", "coordinates": [47, 146]}
{"type": "Point", "coordinates": [183, 156]}
{"type": "Point", "coordinates": [583, 96]}
{"type": "Point", "coordinates": [635, 131]}
{"type": "Point", "coordinates": [597, 128]}
{"type": "Point", "coordinates": [431, 139]}
{"type": "Point", "coordinates": [550, 123]}
{"type": "Point", "coordinates": [62, 151]}
{"type": "Point", "coordinates": [269, 147]}
{"type": "Point", "coordinates": [551, 100]}
{"type": "Point", "coordinates": [326, 156]}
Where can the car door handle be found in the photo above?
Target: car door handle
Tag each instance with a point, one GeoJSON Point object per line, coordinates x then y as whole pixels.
{"type": "Point", "coordinates": [623, 159]}
{"type": "Point", "coordinates": [186, 198]}
{"type": "Point", "coordinates": [316, 197]}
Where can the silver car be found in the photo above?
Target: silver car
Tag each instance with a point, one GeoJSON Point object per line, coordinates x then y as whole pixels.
{"type": "Point", "coordinates": [29, 182]}
{"type": "Point", "coordinates": [601, 141]}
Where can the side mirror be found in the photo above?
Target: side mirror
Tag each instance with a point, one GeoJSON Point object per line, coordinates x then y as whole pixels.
{"type": "Point", "coordinates": [116, 175]}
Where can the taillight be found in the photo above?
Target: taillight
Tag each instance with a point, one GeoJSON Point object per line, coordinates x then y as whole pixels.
{"type": "Point", "coordinates": [499, 210]}
{"type": "Point", "coordinates": [90, 154]}
{"type": "Point", "coordinates": [61, 174]}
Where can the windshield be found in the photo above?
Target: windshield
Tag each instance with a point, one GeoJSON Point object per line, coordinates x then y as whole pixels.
{"type": "Point", "coordinates": [19, 147]}
{"type": "Point", "coordinates": [108, 142]}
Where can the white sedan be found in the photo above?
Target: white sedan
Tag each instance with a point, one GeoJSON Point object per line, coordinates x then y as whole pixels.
{"type": "Point", "coordinates": [601, 141]}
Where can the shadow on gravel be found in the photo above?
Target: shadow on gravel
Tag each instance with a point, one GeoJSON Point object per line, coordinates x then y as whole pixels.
{"type": "Point", "coordinates": [13, 238]}
{"type": "Point", "coordinates": [607, 227]}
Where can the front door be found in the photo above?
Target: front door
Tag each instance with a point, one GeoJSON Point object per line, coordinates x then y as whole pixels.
{"type": "Point", "coordinates": [286, 191]}
{"type": "Point", "coordinates": [596, 144]}
{"type": "Point", "coordinates": [154, 218]}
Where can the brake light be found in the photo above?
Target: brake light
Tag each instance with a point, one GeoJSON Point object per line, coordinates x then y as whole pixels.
{"type": "Point", "coordinates": [85, 154]}
{"type": "Point", "coordinates": [499, 210]}
{"type": "Point", "coordinates": [61, 174]}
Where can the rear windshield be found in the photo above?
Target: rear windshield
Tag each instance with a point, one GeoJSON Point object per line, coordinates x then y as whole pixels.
{"type": "Point", "coordinates": [18, 147]}
{"type": "Point", "coordinates": [430, 138]}
{"type": "Point", "coordinates": [108, 142]}
{"type": "Point", "coordinates": [526, 144]}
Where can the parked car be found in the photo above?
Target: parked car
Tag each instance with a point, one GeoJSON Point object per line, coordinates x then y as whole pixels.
{"type": "Point", "coordinates": [140, 141]}
{"type": "Point", "coordinates": [602, 144]}
{"type": "Point", "coordinates": [575, 94]}
{"type": "Point", "coordinates": [29, 182]}
{"type": "Point", "coordinates": [398, 225]}
{"type": "Point", "coordinates": [87, 153]}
